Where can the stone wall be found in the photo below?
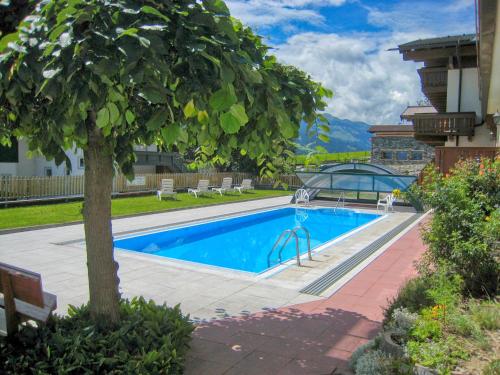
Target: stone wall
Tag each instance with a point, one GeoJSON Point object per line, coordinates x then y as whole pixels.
{"type": "Point", "coordinates": [385, 151]}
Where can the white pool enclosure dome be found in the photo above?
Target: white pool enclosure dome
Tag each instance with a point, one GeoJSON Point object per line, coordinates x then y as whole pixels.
{"type": "Point", "coordinates": [362, 177]}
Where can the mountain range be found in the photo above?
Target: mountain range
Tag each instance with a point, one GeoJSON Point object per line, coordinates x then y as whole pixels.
{"type": "Point", "coordinates": [345, 136]}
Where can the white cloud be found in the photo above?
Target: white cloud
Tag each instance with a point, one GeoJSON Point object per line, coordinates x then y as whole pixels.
{"type": "Point", "coordinates": [425, 17]}
{"type": "Point", "coordinates": [279, 12]}
{"type": "Point", "coordinates": [370, 83]}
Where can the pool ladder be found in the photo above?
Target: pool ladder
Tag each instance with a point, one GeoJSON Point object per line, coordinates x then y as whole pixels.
{"type": "Point", "coordinates": [291, 232]}
{"type": "Point", "coordinates": [341, 199]}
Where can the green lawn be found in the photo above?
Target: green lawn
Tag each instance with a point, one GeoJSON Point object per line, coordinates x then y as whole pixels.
{"type": "Point", "coordinates": [28, 216]}
{"type": "Point", "coordinates": [339, 156]}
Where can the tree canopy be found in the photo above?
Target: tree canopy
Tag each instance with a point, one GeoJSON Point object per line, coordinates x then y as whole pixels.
{"type": "Point", "coordinates": [181, 73]}
{"type": "Point", "coordinates": [105, 75]}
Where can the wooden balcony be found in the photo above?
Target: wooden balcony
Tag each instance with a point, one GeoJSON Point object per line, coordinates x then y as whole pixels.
{"type": "Point", "coordinates": [434, 128]}
{"type": "Point", "coordinates": [434, 86]}
{"type": "Point", "coordinates": [171, 160]}
{"type": "Point", "coordinates": [434, 78]}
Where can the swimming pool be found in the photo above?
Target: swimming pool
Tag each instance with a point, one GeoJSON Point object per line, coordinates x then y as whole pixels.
{"type": "Point", "coordinates": [243, 243]}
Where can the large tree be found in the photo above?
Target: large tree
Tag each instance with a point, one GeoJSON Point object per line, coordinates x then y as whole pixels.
{"type": "Point", "coordinates": [105, 75]}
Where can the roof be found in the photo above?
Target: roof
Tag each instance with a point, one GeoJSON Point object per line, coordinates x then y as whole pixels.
{"type": "Point", "coordinates": [446, 41]}
{"type": "Point", "coordinates": [391, 129]}
{"type": "Point", "coordinates": [412, 110]}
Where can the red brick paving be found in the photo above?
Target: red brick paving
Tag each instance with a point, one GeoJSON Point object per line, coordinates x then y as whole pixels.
{"type": "Point", "coordinates": [310, 338]}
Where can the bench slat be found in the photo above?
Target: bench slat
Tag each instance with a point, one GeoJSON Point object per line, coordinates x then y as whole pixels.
{"type": "Point", "coordinates": [26, 285]}
{"type": "Point", "coordinates": [32, 312]}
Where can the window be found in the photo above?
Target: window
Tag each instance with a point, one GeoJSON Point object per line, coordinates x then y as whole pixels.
{"type": "Point", "coordinates": [386, 155]}
{"type": "Point", "coordinates": [417, 155]}
{"type": "Point", "coordinates": [48, 172]}
{"type": "Point", "coordinates": [81, 163]}
{"type": "Point", "coordinates": [402, 155]}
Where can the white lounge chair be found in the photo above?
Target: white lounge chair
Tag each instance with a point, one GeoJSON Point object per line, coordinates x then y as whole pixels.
{"type": "Point", "coordinates": [167, 188]}
{"type": "Point", "coordinates": [201, 189]}
{"type": "Point", "coordinates": [302, 196]}
{"type": "Point", "coordinates": [387, 202]}
{"type": "Point", "coordinates": [226, 185]}
{"type": "Point", "coordinates": [246, 184]}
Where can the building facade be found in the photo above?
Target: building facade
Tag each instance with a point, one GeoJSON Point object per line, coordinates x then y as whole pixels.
{"type": "Point", "coordinates": [395, 146]}
{"type": "Point", "coordinates": [18, 161]}
{"type": "Point", "coordinates": [461, 79]}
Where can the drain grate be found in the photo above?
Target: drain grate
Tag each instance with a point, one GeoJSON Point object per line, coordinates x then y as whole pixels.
{"type": "Point", "coordinates": [331, 277]}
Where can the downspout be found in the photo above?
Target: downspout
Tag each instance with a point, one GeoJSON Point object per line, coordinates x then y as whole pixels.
{"type": "Point", "coordinates": [459, 107]}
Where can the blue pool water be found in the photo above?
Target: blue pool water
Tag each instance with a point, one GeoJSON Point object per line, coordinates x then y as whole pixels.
{"type": "Point", "coordinates": [243, 243]}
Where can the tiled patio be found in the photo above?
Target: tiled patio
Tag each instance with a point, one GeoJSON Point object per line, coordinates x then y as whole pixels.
{"type": "Point", "coordinates": [269, 325]}
{"type": "Point", "coordinates": [315, 337]}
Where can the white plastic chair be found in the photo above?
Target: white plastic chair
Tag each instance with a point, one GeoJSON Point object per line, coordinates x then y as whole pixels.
{"type": "Point", "coordinates": [226, 185]}
{"type": "Point", "coordinates": [302, 196]}
{"type": "Point", "coordinates": [167, 188]}
{"type": "Point", "coordinates": [201, 189]}
{"type": "Point", "coordinates": [246, 184]}
{"type": "Point", "coordinates": [387, 203]}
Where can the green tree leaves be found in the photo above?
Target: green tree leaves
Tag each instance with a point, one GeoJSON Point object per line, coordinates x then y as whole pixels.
{"type": "Point", "coordinates": [209, 85]}
{"type": "Point", "coordinates": [190, 109]}
{"type": "Point", "coordinates": [224, 98]}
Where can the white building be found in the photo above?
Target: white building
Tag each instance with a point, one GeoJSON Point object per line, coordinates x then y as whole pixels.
{"type": "Point", "coordinates": [461, 78]}
{"type": "Point", "coordinates": [17, 161]}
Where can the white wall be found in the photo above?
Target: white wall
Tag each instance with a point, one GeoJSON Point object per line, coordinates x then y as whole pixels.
{"type": "Point", "coordinates": [32, 164]}
{"type": "Point", "coordinates": [36, 165]}
{"type": "Point", "coordinates": [469, 101]}
{"type": "Point", "coordinates": [482, 138]}
{"type": "Point", "coordinates": [8, 169]}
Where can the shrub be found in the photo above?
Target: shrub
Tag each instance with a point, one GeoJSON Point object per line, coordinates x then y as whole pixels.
{"type": "Point", "coordinates": [402, 320]}
{"type": "Point", "coordinates": [462, 324]}
{"type": "Point", "coordinates": [493, 368]}
{"type": "Point", "coordinates": [427, 326]}
{"type": "Point", "coordinates": [413, 296]}
{"type": "Point", "coordinates": [371, 363]}
{"type": "Point", "coordinates": [359, 352]}
{"type": "Point", "coordinates": [150, 339]}
{"type": "Point", "coordinates": [465, 226]}
{"type": "Point", "coordinates": [442, 355]}
{"type": "Point", "coordinates": [486, 314]}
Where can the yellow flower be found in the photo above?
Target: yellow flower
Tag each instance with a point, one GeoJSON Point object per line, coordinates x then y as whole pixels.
{"type": "Point", "coordinates": [487, 218]}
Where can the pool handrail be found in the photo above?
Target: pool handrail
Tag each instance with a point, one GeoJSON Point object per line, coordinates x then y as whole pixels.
{"type": "Point", "coordinates": [291, 232]}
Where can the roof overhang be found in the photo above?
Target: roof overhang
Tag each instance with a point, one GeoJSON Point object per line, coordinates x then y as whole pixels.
{"type": "Point", "coordinates": [487, 25]}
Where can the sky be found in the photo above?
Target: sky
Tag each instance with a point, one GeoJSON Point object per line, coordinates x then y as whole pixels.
{"type": "Point", "coordinates": [344, 45]}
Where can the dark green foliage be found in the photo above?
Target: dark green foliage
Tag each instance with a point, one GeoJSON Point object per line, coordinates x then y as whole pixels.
{"type": "Point", "coordinates": [465, 229]}
{"type": "Point", "coordinates": [413, 296]}
{"type": "Point", "coordinates": [10, 153]}
{"type": "Point", "coordinates": [150, 339]}
{"type": "Point", "coordinates": [12, 12]}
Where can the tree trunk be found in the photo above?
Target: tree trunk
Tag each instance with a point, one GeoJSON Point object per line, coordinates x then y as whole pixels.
{"type": "Point", "coordinates": [102, 268]}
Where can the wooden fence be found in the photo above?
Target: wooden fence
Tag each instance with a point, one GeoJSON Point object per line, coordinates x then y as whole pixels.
{"type": "Point", "coordinates": [15, 188]}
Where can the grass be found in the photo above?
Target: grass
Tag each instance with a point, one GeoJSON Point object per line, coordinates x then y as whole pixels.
{"type": "Point", "coordinates": [28, 216]}
{"type": "Point", "coordinates": [339, 156]}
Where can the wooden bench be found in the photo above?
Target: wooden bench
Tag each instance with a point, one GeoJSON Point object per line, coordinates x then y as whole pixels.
{"type": "Point", "coordinates": [23, 297]}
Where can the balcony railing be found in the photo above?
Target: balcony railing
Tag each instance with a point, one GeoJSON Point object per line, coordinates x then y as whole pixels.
{"type": "Point", "coordinates": [433, 78]}
{"type": "Point", "coordinates": [444, 124]}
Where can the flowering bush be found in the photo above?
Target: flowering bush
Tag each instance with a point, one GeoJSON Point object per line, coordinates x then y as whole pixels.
{"type": "Point", "coordinates": [465, 229]}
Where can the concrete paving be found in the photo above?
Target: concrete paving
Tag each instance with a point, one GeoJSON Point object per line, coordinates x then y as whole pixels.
{"type": "Point", "coordinates": [204, 292]}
